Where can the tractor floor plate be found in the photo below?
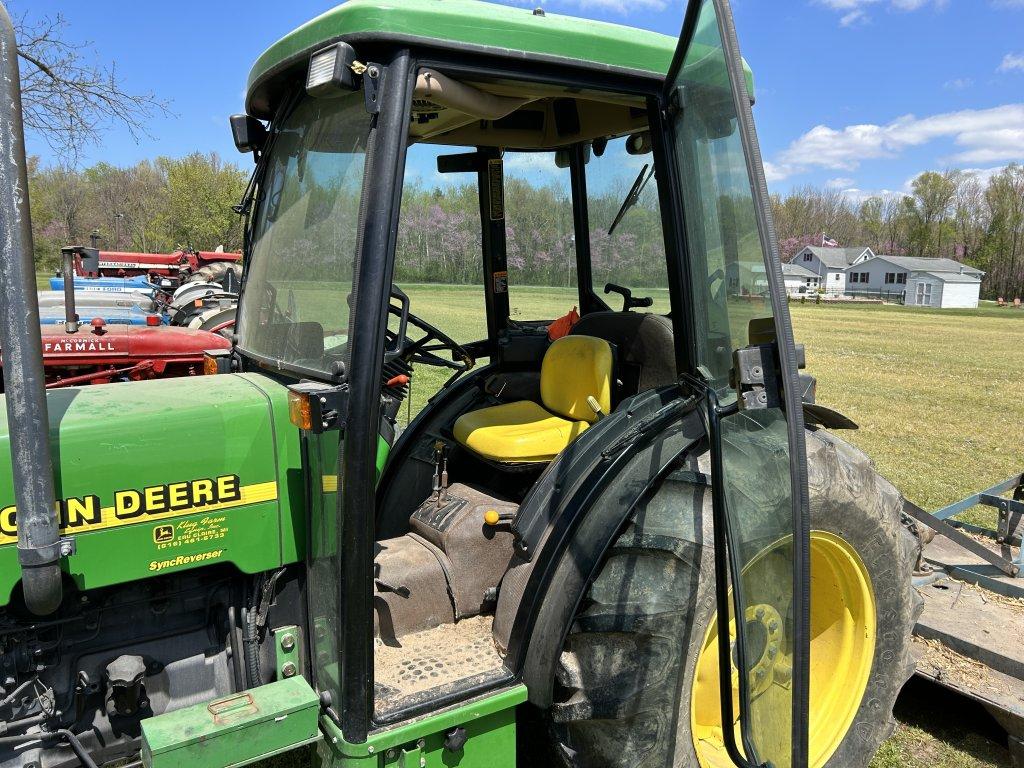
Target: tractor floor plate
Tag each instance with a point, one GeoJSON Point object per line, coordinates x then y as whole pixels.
{"type": "Point", "coordinates": [434, 663]}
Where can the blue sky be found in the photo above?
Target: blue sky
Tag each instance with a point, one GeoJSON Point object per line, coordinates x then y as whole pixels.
{"type": "Point", "coordinates": [858, 94]}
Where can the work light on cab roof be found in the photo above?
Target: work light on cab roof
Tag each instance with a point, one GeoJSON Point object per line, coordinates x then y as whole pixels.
{"type": "Point", "coordinates": [330, 71]}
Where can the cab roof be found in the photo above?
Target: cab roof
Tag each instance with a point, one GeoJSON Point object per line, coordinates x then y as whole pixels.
{"type": "Point", "coordinates": [462, 25]}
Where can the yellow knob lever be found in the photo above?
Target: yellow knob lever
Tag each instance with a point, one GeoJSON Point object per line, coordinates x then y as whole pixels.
{"type": "Point", "coordinates": [491, 517]}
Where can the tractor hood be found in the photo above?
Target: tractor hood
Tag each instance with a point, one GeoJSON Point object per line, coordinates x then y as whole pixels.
{"type": "Point", "coordinates": [159, 476]}
{"type": "Point", "coordinates": [125, 344]}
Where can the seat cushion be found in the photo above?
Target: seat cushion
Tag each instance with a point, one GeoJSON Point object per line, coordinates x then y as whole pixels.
{"type": "Point", "coordinates": [516, 432]}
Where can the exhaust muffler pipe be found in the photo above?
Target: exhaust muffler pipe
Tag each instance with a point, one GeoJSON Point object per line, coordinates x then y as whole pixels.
{"type": "Point", "coordinates": [67, 271]}
{"type": "Point", "coordinates": [39, 544]}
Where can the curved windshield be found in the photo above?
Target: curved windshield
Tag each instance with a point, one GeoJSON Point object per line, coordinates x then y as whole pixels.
{"type": "Point", "coordinates": [295, 308]}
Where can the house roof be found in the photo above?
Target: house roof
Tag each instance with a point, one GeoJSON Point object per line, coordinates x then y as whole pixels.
{"type": "Point", "coordinates": [953, 277]}
{"type": "Point", "coordinates": [925, 264]}
{"type": "Point", "coordinates": [795, 270]}
{"type": "Point", "coordinates": [836, 257]}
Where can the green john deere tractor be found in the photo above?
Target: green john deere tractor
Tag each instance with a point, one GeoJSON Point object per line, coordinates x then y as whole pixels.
{"type": "Point", "coordinates": [621, 539]}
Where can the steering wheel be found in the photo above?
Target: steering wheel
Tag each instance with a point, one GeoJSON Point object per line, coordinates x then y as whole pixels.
{"type": "Point", "coordinates": [425, 349]}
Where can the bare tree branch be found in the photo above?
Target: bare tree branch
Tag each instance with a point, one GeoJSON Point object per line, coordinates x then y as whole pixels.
{"type": "Point", "coordinates": [68, 98]}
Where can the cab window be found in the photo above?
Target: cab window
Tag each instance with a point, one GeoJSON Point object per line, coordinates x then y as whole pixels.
{"type": "Point", "coordinates": [437, 258]}
{"type": "Point", "coordinates": [539, 237]}
{"type": "Point", "coordinates": [627, 247]}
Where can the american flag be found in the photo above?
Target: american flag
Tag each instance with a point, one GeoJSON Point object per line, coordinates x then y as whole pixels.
{"type": "Point", "coordinates": [828, 242]}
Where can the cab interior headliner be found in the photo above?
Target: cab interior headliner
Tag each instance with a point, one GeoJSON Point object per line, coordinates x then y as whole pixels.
{"type": "Point", "coordinates": [540, 117]}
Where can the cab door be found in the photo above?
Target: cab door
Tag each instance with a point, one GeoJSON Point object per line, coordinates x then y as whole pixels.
{"type": "Point", "coordinates": [738, 346]}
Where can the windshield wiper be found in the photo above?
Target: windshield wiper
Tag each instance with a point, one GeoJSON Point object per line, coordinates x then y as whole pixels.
{"type": "Point", "coordinates": [633, 196]}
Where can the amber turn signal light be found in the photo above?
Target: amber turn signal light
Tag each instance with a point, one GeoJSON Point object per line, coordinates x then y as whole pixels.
{"type": "Point", "coordinates": [300, 412]}
{"type": "Point", "coordinates": [216, 361]}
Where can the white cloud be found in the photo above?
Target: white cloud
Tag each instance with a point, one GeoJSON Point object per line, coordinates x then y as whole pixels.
{"type": "Point", "coordinates": [984, 174]}
{"type": "Point", "coordinates": [993, 146]}
{"type": "Point", "coordinates": [845, 5]}
{"type": "Point", "coordinates": [531, 164]}
{"type": "Point", "coordinates": [858, 196]}
{"type": "Point", "coordinates": [855, 11]}
{"type": "Point", "coordinates": [958, 84]}
{"type": "Point", "coordinates": [1011, 62]}
{"type": "Point", "coordinates": [900, 5]}
{"type": "Point", "coordinates": [772, 172]}
{"type": "Point", "coordinates": [1008, 3]}
{"type": "Point", "coordinates": [854, 16]}
{"type": "Point", "coordinates": [985, 136]}
{"type": "Point", "coordinates": [840, 183]}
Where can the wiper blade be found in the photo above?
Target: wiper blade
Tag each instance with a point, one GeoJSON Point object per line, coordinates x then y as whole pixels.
{"type": "Point", "coordinates": [633, 196]}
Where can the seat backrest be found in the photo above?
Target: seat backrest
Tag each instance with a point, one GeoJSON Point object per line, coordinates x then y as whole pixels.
{"type": "Point", "coordinates": [574, 368]}
{"type": "Point", "coordinates": [643, 341]}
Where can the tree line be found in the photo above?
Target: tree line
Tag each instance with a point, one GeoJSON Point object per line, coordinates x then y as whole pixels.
{"type": "Point", "coordinates": [172, 203]}
{"type": "Point", "coordinates": [952, 214]}
{"type": "Point", "coordinates": [153, 206]}
{"type": "Point", "coordinates": [439, 236]}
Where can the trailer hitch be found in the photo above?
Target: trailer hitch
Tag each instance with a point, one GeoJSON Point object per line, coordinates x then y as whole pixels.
{"type": "Point", "coordinates": [1011, 511]}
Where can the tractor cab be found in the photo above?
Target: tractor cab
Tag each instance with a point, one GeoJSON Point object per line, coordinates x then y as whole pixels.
{"type": "Point", "coordinates": [525, 295]}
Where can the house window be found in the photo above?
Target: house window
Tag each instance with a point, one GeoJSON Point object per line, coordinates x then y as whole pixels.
{"type": "Point", "coordinates": [808, 256]}
{"type": "Point", "coordinates": [901, 278]}
{"type": "Point", "coordinates": [924, 294]}
{"type": "Point", "coordinates": [865, 277]}
{"type": "Point", "coordinates": [855, 277]}
{"type": "Point", "coordinates": [809, 281]}
{"type": "Point", "coordinates": [890, 278]}
{"type": "Point", "coordinates": [839, 275]}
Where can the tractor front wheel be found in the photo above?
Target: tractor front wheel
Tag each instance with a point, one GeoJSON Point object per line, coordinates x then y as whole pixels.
{"type": "Point", "coordinates": [637, 681]}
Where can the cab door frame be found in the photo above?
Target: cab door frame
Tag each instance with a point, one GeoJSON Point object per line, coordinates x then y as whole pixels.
{"type": "Point", "coordinates": [687, 326]}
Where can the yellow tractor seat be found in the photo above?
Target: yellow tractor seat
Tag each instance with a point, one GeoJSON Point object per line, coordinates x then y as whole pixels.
{"type": "Point", "coordinates": [574, 368]}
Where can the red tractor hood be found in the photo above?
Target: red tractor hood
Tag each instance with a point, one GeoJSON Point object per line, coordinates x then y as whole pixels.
{"type": "Point", "coordinates": [126, 344]}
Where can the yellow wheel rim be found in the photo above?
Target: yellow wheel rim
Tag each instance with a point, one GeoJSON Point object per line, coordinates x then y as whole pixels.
{"type": "Point", "coordinates": [843, 629]}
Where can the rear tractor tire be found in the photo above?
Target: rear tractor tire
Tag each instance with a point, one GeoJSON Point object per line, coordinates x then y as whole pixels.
{"type": "Point", "coordinates": [636, 683]}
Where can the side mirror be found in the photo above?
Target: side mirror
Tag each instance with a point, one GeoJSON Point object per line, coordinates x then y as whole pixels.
{"type": "Point", "coordinates": [639, 143]}
{"type": "Point", "coordinates": [248, 132]}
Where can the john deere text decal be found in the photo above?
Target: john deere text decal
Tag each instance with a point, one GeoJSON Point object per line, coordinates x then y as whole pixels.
{"type": "Point", "coordinates": [79, 514]}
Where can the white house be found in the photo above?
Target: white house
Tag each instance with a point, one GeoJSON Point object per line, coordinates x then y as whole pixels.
{"type": "Point", "coordinates": [830, 264]}
{"type": "Point", "coordinates": [799, 280]}
{"type": "Point", "coordinates": [929, 282]}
